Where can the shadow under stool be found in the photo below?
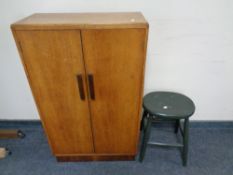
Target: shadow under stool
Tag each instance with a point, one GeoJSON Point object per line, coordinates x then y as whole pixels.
{"type": "Point", "coordinates": [166, 106]}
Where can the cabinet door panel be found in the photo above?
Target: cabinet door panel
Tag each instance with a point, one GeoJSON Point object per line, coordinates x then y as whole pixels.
{"type": "Point", "coordinates": [115, 58]}
{"type": "Point", "coordinates": [52, 61]}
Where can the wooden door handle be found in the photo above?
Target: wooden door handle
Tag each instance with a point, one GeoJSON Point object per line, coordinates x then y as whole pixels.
{"type": "Point", "coordinates": [91, 86]}
{"type": "Point", "coordinates": [80, 86]}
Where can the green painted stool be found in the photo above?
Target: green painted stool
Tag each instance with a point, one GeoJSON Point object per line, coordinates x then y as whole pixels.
{"type": "Point", "coordinates": [168, 106]}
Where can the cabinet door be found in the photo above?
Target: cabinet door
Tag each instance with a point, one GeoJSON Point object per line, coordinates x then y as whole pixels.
{"type": "Point", "coordinates": [114, 60]}
{"type": "Point", "coordinates": [52, 61]}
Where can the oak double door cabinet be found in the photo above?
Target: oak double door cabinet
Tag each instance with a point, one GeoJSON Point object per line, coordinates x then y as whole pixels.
{"type": "Point", "coordinates": [86, 73]}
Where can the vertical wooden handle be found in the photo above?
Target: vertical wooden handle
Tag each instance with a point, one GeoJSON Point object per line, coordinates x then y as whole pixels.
{"type": "Point", "coordinates": [80, 86]}
{"type": "Point", "coordinates": [91, 86]}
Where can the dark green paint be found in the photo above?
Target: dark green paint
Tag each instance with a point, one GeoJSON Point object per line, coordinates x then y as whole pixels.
{"type": "Point", "coordinates": [159, 106]}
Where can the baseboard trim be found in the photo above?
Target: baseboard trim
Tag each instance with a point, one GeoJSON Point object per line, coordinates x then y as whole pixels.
{"type": "Point", "coordinates": [19, 123]}
{"type": "Point", "coordinates": [193, 124]}
{"type": "Point", "coordinates": [200, 124]}
{"type": "Point", "coordinates": [212, 124]}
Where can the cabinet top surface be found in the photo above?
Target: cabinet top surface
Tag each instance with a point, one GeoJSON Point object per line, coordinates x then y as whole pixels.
{"type": "Point", "coordinates": [81, 21]}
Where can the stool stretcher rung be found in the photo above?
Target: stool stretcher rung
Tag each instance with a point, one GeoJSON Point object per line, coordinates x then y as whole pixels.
{"type": "Point", "coordinates": [164, 144]}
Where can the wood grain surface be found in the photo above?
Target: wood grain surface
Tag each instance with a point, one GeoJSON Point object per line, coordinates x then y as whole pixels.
{"type": "Point", "coordinates": [115, 58]}
{"type": "Point", "coordinates": [52, 60]}
{"type": "Point", "coordinates": [86, 73]}
{"type": "Point", "coordinates": [81, 21]}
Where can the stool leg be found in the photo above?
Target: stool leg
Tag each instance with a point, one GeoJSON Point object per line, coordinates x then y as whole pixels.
{"type": "Point", "coordinates": [177, 125]}
{"type": "Point", "coordinates": [145, 138]}
{"type": "Point", "coordinates": [185, 142]}
{"type": "Point", "coordinates": [142, 120]}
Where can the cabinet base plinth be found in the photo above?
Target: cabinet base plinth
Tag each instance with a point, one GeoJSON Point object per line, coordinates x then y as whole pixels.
{"type": "Point", "coordinates": [94, 158]}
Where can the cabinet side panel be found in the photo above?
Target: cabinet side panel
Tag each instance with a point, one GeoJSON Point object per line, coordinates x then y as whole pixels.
{"type": "Point", "coordinates": [52, 61]}
{"type": "Point", "coordinates": [115, 58]}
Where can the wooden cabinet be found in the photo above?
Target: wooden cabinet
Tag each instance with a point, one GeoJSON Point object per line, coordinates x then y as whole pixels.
{"type": "Point", "coordinates": [86, 73]}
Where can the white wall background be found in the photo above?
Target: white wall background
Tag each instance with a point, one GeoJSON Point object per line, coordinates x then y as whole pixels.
{"type": "Point", "coordinates": [190, 50]}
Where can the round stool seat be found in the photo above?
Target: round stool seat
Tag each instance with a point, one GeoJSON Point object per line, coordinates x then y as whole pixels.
{"type": "Point", "coordinates": [168, 105]}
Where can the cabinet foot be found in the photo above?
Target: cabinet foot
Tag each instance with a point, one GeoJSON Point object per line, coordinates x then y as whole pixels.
{"type": "Point", "coordinates": [94, 158]}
